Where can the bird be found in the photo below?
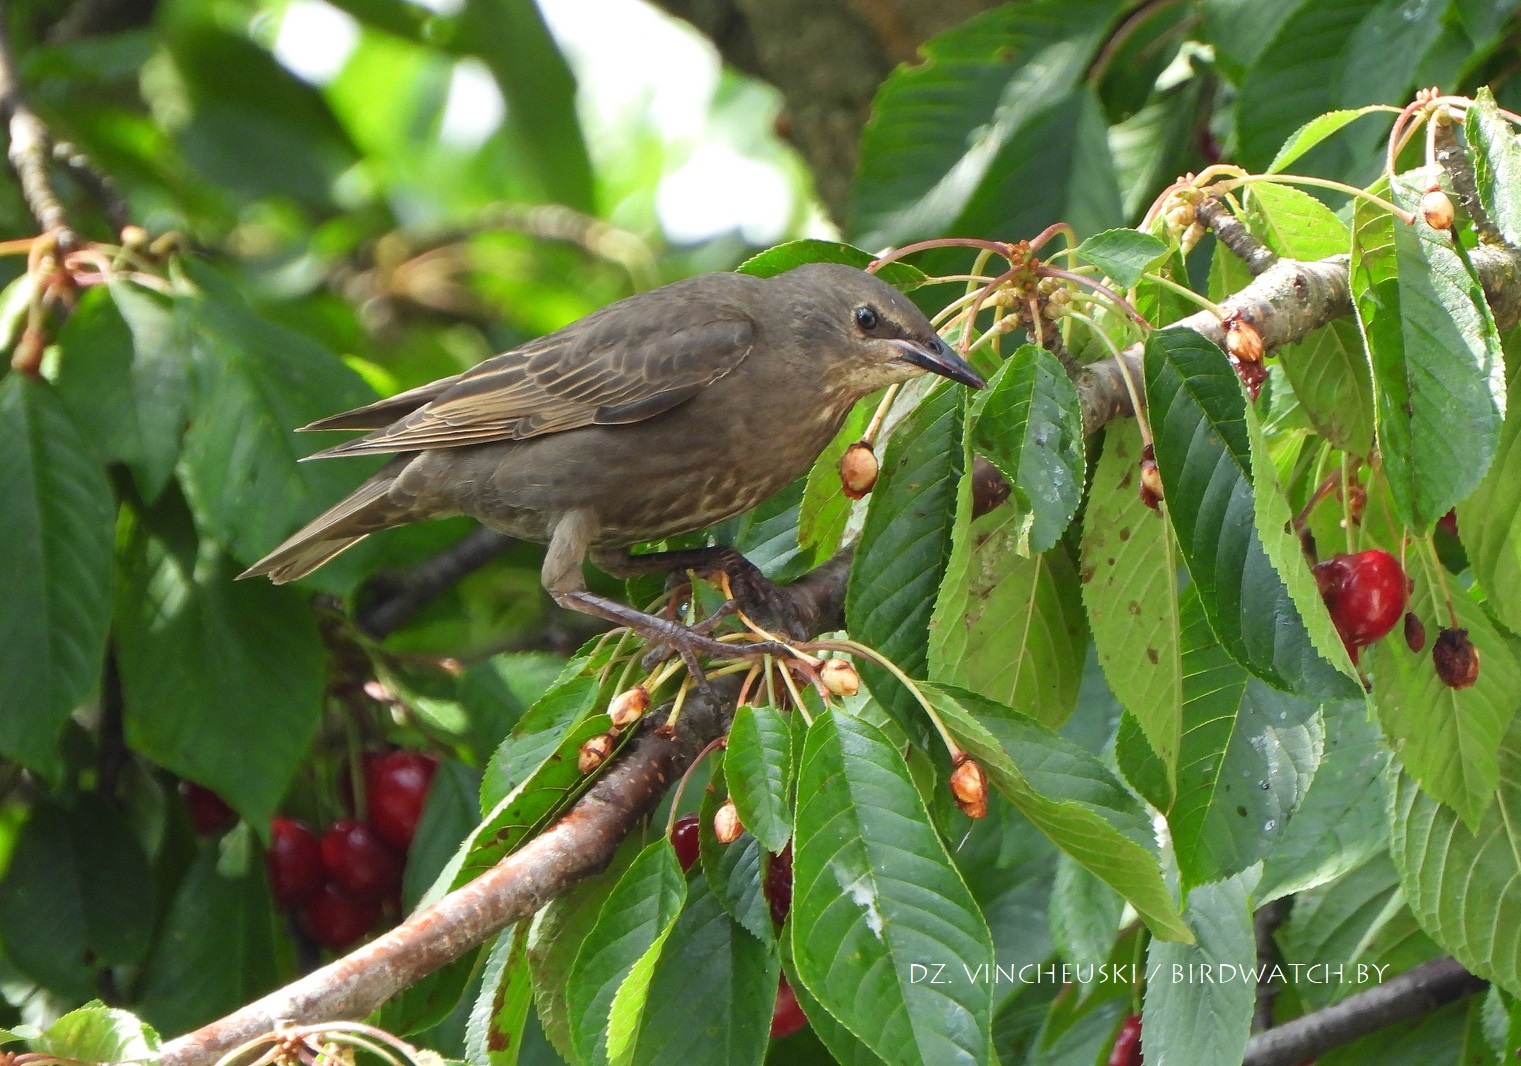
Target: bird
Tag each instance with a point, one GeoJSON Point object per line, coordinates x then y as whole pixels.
{"type": "Point", "coordinates": [658, 415]}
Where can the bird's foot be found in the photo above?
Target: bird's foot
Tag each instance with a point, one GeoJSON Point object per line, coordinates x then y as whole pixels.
{"type": "Point", "coordinates": [757, 599]}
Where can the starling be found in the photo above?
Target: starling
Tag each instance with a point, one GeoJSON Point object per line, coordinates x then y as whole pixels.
{"type": "Point", "coordinates": [655, 416]}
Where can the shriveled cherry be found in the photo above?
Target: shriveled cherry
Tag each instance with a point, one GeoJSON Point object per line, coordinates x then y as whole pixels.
{"type": "Point", "coordinates": [684, 839]}
{"type": "Point", "coordinates": [1455, 658]}
{"type": "Point", "coordinates": [1127, 1044]}
{"type": "Point", "coordinates": [778, 886]}
{"type": "Point", "coordinates": [1366, 594]}
{"type": "Point", "coordinates": [208, 812]}
{"type": "Point", "coordinates": [294, 861]}
{"type": "Point", "coordinates": [334, 919]}
{"type": "Point", "coordinates": [358, 861]}
{"type": "Point", "coordinates": [787, 1016]}
{"type": "Point", "coordinates": [396, 784]}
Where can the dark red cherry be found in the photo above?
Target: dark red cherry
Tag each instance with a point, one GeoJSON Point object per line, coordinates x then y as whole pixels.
{"type": "Point", "coordinates": [396, 784]}
{"type": "Point", "coordinates": [358, 861]}
{"type": "Point", "coordinates": [1366, 594]}
{"type": "Point", "coordinates": [1127, 1044]}
{"type": "Point", "coordinates": [209, 813]}
{"type": "Point", "coordinates": [335, 920]}
{"type": "Point", "coordinates": [778, 886]}
{"type": "Point", "coordinates": [294, 861]}
{"type": "Point", "coordinates": [684, 839]}
{"type": "Point", "coordinates": [787, 1016]}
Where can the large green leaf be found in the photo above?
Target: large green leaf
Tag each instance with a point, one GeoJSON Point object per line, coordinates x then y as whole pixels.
{"type": "Point", "coordinates": [1070, 796]}
{"type": "Point", "coordinates": [757, 763]}
{"type": "Point", "coordinates": [1295, 224]}
{"type": "Point", "coordinates": [874, 891]}
{"type": "Point", "coordinates": [97, 1033]}
{"type": "Point", "coordinates": [784, 257]}
{"type": "Point", "coordinates": [1497, 164]}
{"type": "Point", "coordinates": [735, 871]}
{"type": "Point", "coordinates": [636, 917]}
{"type": "Point", "coordinates": [56, 568]}
{"type": "Point", "coordinates": [1343, 819]}
{"type": "Point", "coordinates": [1029, 424]}
{"type": "Point", "coordinates": [222, 679]}
{"type": "Point", "coordinates": [1248, 756]}
{"type": "Point", "coordinates": [1197, 411]}
{"type": "Point", "coordinates": [255, 383]}
{"type": "Point", "coordinates": [1123, 254]}
{"type": "Point", "coordinates": [1464, 884]}
{"type": "Point", "coordinates": [1447, 739]}
{"type": "Point", "coordinates": [494, 1032]}
{"type": "Point", "coordinates": [942, 128]}
{"type": "Point", "coordinates": [1489, 522]}
{"type": "Point", "coordinates": [906, 543]}
{"type": "Point", "coordinates": [1438, 372]}
{"type": "Point", "coordinates": [1130, 587]}
{"type": "Point", "coordinates": [1200, 1019]}
{"type": "Point", "coordinates": [711, 992]}
{"type": "Point", "coordinates": [1329, 373]}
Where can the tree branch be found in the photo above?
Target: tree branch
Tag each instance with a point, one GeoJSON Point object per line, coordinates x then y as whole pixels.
{"type": "Point", "coordinates": [389, 599]}
{"type": "Point", "coordinates": [30, 149]}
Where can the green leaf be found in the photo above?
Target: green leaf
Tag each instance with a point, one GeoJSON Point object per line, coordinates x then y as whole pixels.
{"type": "Point", "coordinates": [711, 992]}
{"type": "Point", "coordinates": [1497, 164]}
{"type": "Point", "coordinates": [757, 763]}
{"type": "Point", "coordinates": [735, 871]}
{"type": "Point", "coordinates": [216, 950]}
{"type": "Point", "coordinates": [56, 569]}
{"type": "Point", "coordinates": [943, 127]}
{"type": "Point", "coordinates": [76, 896]}
{"type": "Point", "coordinates": [1316, 131]}
{"type": "Point", "coordinates": [1438, 371]}
{"type": "Point", "coordinates": [1123, 254]}
{"type": "Point", "coordinates": [1249, 754]}
{"type": "Point", "coordinates": [541, 730]}
{"type": "Point", "coordinates": [636, 917]}
{"type": "Point", "coordinates": [1085, 914]}
{"type": "Point", "coordinates": [256, 382]}
{"type": "Point", "coordinates": [1197, 411]}
{"type": "Point", "coordinates": [494, 1034]}
{"type": "Point", "coordinates": [449, 815]}
{"type": "Point", "coordinates": [124, 371]}
{"type": "Point", "coordinates": [873, 891]}
{"type": "Point", "coordinates": [839, 1041]}
{"type": "Point", "coordinates": [1130, 587]}
{"type": "Point", "coordinates": [1070, 796]}
{"type": "Point", "coordinates": [1029, 424]}
{"type": "Point", "coordinates": [906, 544]}
{"type": "Point", "coordinates": [1202, 1020]}
{"type": "Point", "coordinates": [1295, 224]}
{"type": "Point", "coordinates": [97, 1033]}
{"type": "Point", "coordinates": [1329, 373]}
{"type": "Point", "coordinates": [1464, 883]}
{"type": "Point", "coordinates": [1008, 627]}
{"type": "Point", "coordinates": [1447, 739]}
{"type": "Point", "coordinates": [1489, 522]}
{"type": "Point", "coordinates": [783, 257]}
{"type": "Point", "coordinates": [1343, 819]}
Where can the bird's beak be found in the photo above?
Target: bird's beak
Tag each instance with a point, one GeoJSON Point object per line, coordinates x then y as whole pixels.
{"type": "Point", "coordinates": [940, 358]}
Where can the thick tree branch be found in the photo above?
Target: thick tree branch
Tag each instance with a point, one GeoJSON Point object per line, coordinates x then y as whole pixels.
{"type": "Point", "coordinates": [1413, 993]}
{"type": "Point", "coordinates": [30, 149]}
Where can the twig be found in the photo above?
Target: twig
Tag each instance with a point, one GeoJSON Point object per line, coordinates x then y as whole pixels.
{"type": "Point", "coordinates": [1459, 170]}
{"type": "Point", "coordinates": [1413, 993]}
{"type": "Point", "coordinates": [29, 150]}
{"type": "Point", "coordinates": [96, 183]}
{"type": "Point", "coordinates": [1215, 213]}
{"type": "Point", "coordinates": [1264, 924]}
{"type": "Point", "coordinates": [388, 600]}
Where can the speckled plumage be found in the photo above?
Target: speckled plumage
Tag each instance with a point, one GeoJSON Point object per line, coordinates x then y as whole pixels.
{"type": "Point", "coordinates": [658, 415]}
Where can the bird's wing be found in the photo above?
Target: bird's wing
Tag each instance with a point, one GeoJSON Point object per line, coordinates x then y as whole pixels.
{"type": "Point", "coordinates": [603, 370]}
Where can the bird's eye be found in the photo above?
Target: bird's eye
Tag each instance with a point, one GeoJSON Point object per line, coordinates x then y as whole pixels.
{"type": "Point", "coordinates": [866, 318]}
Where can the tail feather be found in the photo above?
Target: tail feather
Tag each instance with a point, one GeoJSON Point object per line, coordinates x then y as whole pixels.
{"type": "Point", "coordinates": [347, 522]}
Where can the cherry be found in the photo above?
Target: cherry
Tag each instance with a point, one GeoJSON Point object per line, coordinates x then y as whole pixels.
{"type": "Point", "coordinates": [358, 861]}
{"type": "Point", "coordinates": [335, 920]}
{"type": "Point", "coordinates": [1127, 1044]}
{"type": "Point", "coordinates": [396, 785]}
{"type": "Point", "coordinates": [1365, 593]}
{"type": "Point", "coordinates": [209, 813]}
{"type": "Point", "coordinates": [1448, 523]}
{"type": "Point", "coordinates": [778, 886]}
{"type": "Point", "coordinates": [1455, 658]}
{"type": "Point", "coordinates": [684, 839]}
{"type": "Point", "coordinates": [294, 861]}
{"type": "Point", "coordinates": [787, 1016]}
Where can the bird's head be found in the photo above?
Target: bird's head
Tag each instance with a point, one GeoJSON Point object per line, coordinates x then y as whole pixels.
{"type": "Point", "coordinates": [869, 334]}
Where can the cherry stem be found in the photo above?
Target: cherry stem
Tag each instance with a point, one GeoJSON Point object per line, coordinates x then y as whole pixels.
{"type": "Point", "coordinates": [1441, 573]}
{"type": "Point", "coordinates": [1324, 489]}
{"type": "Point", "coordinates": [852, 647]}
{"type": "Point", "coordinates": [996, 247]}
{"type": "Point", "coordinates": [681, 784]}
{"type": "Point", "coordinates": [1142, 422]}
{"type": "Point", "coordinates": [1120, 303]}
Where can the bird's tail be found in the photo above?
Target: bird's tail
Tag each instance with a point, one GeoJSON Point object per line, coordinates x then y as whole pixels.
{"type": "Point", "coordinates": [365, 510]}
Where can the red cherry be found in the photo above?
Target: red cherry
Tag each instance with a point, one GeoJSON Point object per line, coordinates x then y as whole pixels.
{"type": "Point", "coordinates": [1127, 1044]}
{"type": "Point", "coordinates": [335, 920]}
{"type": "Point", "coordinates": [358, 861]}
{"type": "Point", "coordinates": [1448, 523]}
{"type": "Point", "coordinates": [396, 785]}
{"type": "Point", "coordinates": [778, 886]}
{"type": "Point", "coordinates": [209, 813]}
{"type": "Point", "coordinates": [787, 1016]}
{"type": "Point", "coordinates": [1366, 594]}
{"type": "Point", "coordinates": [294, 861]}
{"type": "Point", "coordinates": [684, 840]}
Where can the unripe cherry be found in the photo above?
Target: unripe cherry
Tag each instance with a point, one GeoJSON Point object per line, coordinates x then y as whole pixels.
{"type": "Point", "coordinates": [629, 706]}
{"type": "Point", "coordinates": [969, 784]}
{"type": "Point", "coordinates": [1436, 206]}
{"type": "Point", "coordinates": [839, 677]}
{"type": "Point", "coordinates": [726, 824]}
{"type": "Point", "coordinates": [594, 752]}
{"type": "Point", "coordinates": [1243, 341]}
{"type": "Point", "coordinates": [858, 470]}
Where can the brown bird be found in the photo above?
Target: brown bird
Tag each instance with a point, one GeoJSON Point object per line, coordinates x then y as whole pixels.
{"type": "Point", "coordinates": [658, 415]}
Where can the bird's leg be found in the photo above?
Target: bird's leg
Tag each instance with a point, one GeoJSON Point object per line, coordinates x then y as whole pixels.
{"type": "Point", "coordinates": [754, 592]}
{"type": "Point", "coordinates": [563, 578]}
